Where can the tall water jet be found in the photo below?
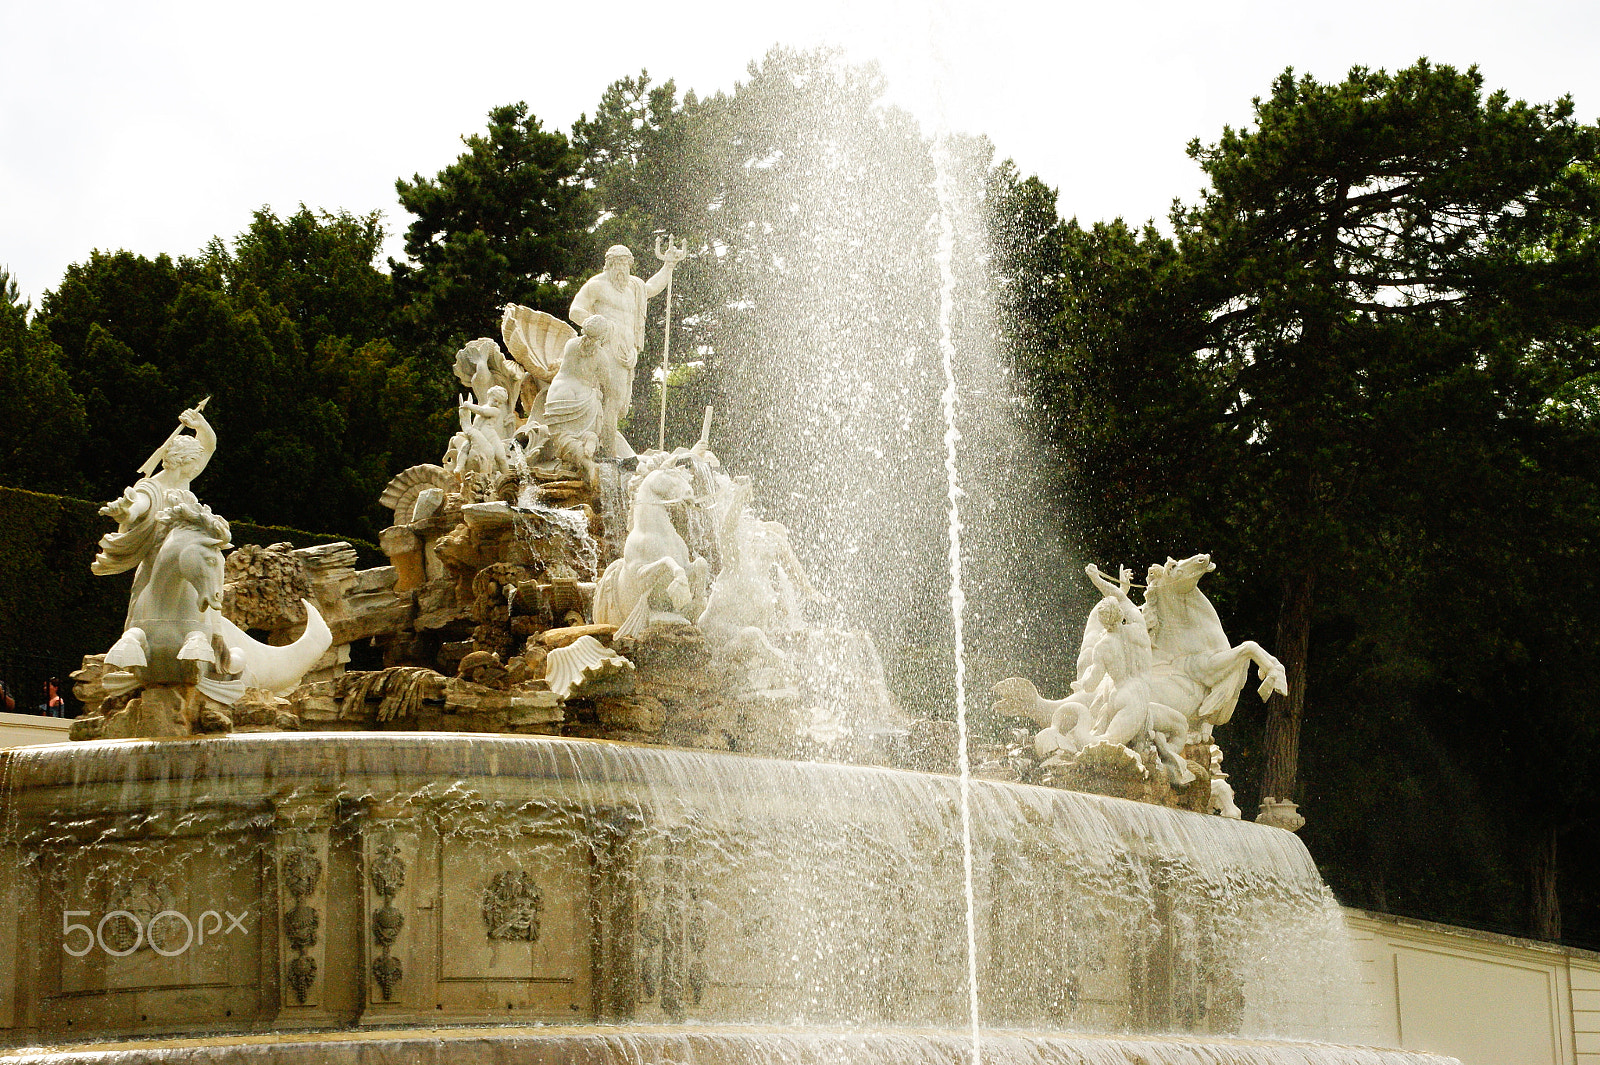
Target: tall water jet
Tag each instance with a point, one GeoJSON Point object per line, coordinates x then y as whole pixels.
{"type": "Point", "coordinates": [958, 598]}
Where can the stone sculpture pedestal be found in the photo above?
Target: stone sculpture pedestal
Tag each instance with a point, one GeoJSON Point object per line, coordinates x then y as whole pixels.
{"type": "Point", "coordinates": [159, 712]}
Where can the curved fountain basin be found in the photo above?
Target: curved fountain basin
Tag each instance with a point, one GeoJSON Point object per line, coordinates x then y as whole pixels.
{"type": "Point", "coordinates": [366, 880]}
{"type": "Point", "coordinates": [547, 1046]}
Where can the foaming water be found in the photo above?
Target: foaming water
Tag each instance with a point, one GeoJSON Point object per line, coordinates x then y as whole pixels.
{"type": "Point", "coordinates": [733, 1047]}
{"type": "Point", "coordinates": [535, 520]}
{"type": "Point", "coordinates": [758, 891]}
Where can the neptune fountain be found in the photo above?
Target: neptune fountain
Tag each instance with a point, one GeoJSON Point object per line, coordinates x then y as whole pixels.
{"type": "Point", "coordinates": [626, 788]}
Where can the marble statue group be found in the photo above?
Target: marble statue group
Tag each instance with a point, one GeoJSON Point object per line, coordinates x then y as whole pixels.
{"type": "Point", "coordinates": [177, 647]}
{"type": "Point", "coordinates": [561, 393]}
{"type": "Point", "coordinates": [637, 549]}
{"type": "Point", "coordinates": [1160, 677]}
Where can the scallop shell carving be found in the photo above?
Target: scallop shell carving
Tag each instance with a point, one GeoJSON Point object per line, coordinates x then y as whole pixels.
{"type": "Point", "coordinates": [535, 339]}
{"type": "Point", "coordinates": [582, 663]}
{"type": "Point", "coordinates": [402, 492]}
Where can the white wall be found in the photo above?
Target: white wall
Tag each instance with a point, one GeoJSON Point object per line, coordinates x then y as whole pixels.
{"type": "Point", "coordinates": [1486, 999]}
{"type": "Point", "coordinates": [16, 730]}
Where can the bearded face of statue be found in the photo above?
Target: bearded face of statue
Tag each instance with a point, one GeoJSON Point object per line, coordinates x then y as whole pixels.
{"type": "Point", "coordinates": [618, 267]}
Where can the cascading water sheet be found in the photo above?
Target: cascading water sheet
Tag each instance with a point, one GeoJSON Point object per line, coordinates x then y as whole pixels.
{"type": "Point", "coordinates": [586, 879]}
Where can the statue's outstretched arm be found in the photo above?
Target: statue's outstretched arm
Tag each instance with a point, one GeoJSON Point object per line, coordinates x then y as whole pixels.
{"type": "Point", "coordinates": [127, 508]}
{"type": "Point", "coordinates": [1106, 587]}
{"type": "Point", "coordinates": [669, 262]}
{"type": "Point", "coordinates": [658, 281]}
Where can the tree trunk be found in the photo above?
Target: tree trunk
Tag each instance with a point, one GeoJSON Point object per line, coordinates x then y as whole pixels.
{"type": "Point", "coordinates": [1282, 738]}
{"type": "Point", "coordinates": [1546, 909]}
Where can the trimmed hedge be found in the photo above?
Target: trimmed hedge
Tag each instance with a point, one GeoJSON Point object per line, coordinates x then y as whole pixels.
{"type": "Point", "coordinates": [53, 611]}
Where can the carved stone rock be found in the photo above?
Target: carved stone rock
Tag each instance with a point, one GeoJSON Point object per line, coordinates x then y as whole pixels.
{"type": "Point", "coordinates": [264, 587]}
{"type": "Point", "coordinates": [159, 712]}
{"type": "Point", "coordinates": [554, 638]}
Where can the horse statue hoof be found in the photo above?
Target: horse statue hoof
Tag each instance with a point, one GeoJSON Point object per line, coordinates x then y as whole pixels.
{"type": "Point", "coordinates": [128, 652]}
{"type": "Point", "coordinates": [197, 648]}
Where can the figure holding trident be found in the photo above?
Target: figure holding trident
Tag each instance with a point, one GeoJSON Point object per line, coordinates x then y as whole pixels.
{"type": "Point", "coordinates": [622, 299]}
{"type": "Point", "coordinates": [138, 510]}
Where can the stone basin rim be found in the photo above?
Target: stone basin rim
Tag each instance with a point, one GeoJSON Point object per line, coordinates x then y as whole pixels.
{"type": "Point", "coordinates": [63, 764]}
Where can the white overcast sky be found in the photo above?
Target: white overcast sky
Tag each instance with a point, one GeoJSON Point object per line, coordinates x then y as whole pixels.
{"type": "Point", "coordinates": [153, 125]}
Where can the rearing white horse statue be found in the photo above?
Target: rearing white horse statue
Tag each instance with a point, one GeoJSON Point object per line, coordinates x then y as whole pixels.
{"type": "Point", "coordinates": [1197, 672]}
{"type": "Point", "coordinates": [654, 582]}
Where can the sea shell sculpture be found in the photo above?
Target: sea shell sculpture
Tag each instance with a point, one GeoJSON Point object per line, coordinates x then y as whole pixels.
{"type": "Point", "coordinates": [583, 664]}
{"type": "Point", "coordinates": [406, 489]}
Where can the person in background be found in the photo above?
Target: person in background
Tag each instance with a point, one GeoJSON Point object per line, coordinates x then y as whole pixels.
{"type": "Point", "coordinates": [7, 703]}
{"type": "Point", "coordinates": [54, 705]}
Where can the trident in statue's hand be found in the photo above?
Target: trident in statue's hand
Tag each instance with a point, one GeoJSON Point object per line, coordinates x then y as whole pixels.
{"type": "Point", "coordinates": [671, 256]}
{"type": "Point", "coordinates": [192, 418]}
{"type": "Point", "coordinates": [673, 253]}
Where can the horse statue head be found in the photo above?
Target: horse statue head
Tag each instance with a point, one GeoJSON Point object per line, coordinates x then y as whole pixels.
{"type": "Point", "coordinates": [663, 487]}
{"type": "Point", "coordinates": [1179, 577]}
{"type": "Point", "coordinates": [192, 541]}
{"type": "Point", "coordinates": [1197, 670]}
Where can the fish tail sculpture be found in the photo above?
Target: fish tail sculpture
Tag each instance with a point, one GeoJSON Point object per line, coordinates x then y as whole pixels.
{"type": "Point", "coordinates": [278, 669]}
